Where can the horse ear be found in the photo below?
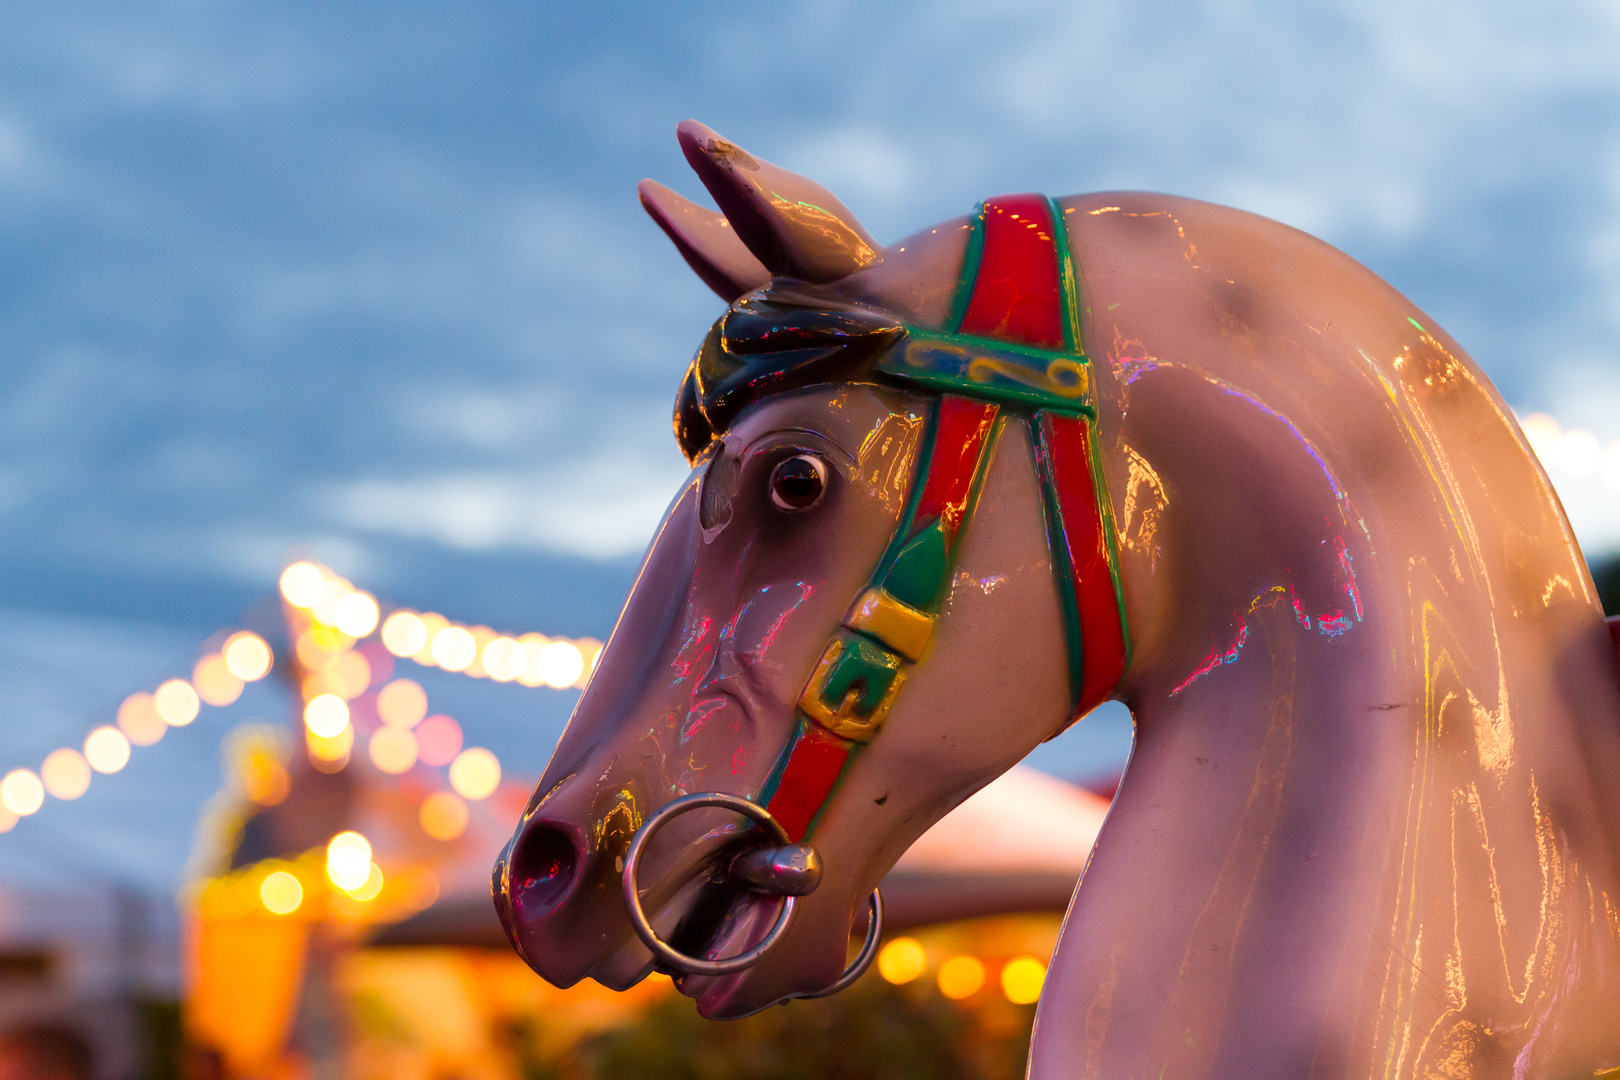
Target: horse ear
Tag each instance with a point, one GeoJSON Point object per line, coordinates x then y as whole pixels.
{"type": "Point", "coordinates": [796, 227]}
{"type": "Point", "coordinates": [705, 240]}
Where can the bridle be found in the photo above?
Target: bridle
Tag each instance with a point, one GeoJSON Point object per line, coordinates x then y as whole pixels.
{"type": "Point", "coordinates": [1012, 346]}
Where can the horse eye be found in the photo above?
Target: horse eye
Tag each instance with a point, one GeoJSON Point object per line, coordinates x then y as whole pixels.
{"type": "Point", "coordinates": [797, 482]}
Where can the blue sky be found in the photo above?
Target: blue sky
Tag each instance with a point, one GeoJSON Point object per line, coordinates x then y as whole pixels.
{"type": "Point", "coordinates": [369, 281]}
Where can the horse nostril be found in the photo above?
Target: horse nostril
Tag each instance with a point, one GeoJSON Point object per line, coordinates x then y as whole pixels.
{"type": "Point", "coordinates": [542, 868]}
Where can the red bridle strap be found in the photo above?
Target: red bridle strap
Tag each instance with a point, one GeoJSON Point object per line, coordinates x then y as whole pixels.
{"type": "Point", "coordinates": [951, 460]}
{"type": "Point", "coordinates": [1013, 338]}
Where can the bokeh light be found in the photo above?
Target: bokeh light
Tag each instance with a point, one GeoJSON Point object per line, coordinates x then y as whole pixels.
{"type": "Point", "coordinates": [215, 682]}
{"type": "Point", "coordinates": [21, 792]}
{"type": "Point", "coordinates": [348, 860]}
{"type": "Point", "coordinates": [329, 753]}
{"type": "Point", "coordinates": [247, 656]}
{"type": "Point", "coordinates": [590, 651]}
{"type": "Point", "coordinates": [403, 633]}
{"type": "Point", "coordinates": [532, 644]}
{"type": "Point", "coordinates": [355, 614]}
{"type": "Point", "coordinates": [281, 893]}
{"type": "Point", "coordinates": [438, 741]}
{"type": "Point", "coordinates": [302, 584]}
{"type": "Point", "coordinates": [176, 702]}
{"type": "Point", "coordinates": [1022, 979]}
{"type": "Point", "coordinates": [392, 749]}
{"type": "Point", "coordinates": [265, 781]}
{"type": "Point", "coordinates": [443, 815]}
{"type": "Point", "coordinates": [503, 659]}
{"type": "Point", "coordinates": [454, 648]}
{"type": "Point", "coordinates": [65, 774]}
{"type": "Point", "coordinates": [432, 623]}
{"type": "Point", "coordinates": [475, 773]}
{"type": "Point", "coordinates": [326, 715]}
{"type": "Point", "coordinates": [325, 608]}
{"type": "Point", "coordinates": [138, 719]}
{"type": "Point", "coordinates": [350, 673]}
{"type": "Point", "coordinates": [961, 977]}
{"type": "Point", "coordinates": [402, 703]}
{"type": "Point", "coordinates": [311, 653]}
{"type": "Point", "coordinates": [902, 960]}
{"type": "Point", "coordinates": [1543, 433]}
{"type": "Point", "coordinates": [560, 664]}
{"type": "Point", "coordinates": [369, 888]}
{"type": "Point", "coordinates": [106, 749]}
{"type": "Point", "coordinates": [8, 820]}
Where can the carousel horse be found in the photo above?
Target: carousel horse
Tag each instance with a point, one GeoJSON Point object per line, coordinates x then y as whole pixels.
{"type": "Point", "coordinates": [950, 494]}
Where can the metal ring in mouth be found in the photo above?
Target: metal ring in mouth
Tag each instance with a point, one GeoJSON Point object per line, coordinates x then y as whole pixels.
{"type": "Point", "coordinates": [863, 959]}
{"type": "Point", "coordinates": [638, 915]}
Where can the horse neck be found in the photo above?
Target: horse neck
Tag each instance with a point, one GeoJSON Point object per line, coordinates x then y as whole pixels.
{"type": "Point", "coordinates": [1365, 828]}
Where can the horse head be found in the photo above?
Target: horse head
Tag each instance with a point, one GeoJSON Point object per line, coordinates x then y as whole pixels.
{"type": "Point", "coordinates": [950, 494]}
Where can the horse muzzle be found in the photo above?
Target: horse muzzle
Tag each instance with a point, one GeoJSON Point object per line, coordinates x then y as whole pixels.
{"type": "Point", "coordinates": [782, 869]}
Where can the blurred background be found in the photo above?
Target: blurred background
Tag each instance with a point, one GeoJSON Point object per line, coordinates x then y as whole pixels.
{"type": "Point", "coordinates": [366, 289]}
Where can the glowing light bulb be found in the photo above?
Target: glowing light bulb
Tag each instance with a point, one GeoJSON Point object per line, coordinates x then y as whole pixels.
{"type": "Point", "coordinates": [176, 702]}
{"type": "Point", "coordinates": [443, 816]}
{"type": "Point", "coordinates": [403, 634]}
{"type": "Point", "coordinates": [902, 960]}
{"type": "Point", "coordinates": [402, 703]}
{"type": "Point", "coordinates": [247, 656]}
{"type": "Point", "coordinates": [326, 716]}
{"type": "Point", "coordinates": [106, 749]}
{"type": "Point", "coordinates": [561, 664]}
{"type": "Point", "coordinates": [21, 792]}
{"type": "Point", "coordinates": [503, 659]}
{"type": "Point", "coordinates": [302, 584]}
{"type": "Point", "coordinates": [138, 719]}
{"type": "Point", "coordinates": [392, 750]}
{"type": "Point", "coordinates": [1022, 979]}
{"type": "Point", "coordinates": [215, 682]}
{"type": "Point", "coordinates": [348, 860]}
{"type": "Point", "coordinates": [65, 774]}
{"type": "Point", "coordinates": [355, 614]}
{"type": "Point", "coordinates": [475, 773]}
{"type": "Point", "coordinates": [454, 648]}
{"type": "Point", "coordinates": [961, 977]}
{"type": "Point", "coordinates": [281, 893]}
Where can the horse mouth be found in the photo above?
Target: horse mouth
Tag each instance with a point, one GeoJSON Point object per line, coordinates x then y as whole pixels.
{"type": "Point", "coordinates": [721, 922]}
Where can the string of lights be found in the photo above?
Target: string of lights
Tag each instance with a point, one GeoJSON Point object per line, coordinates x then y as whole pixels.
{"type": "Point", "coordinates": [327, 618]}
{"type": "Point", "coordinates": [142, 720]}
{"type": "Point", "coordinates": [959, 975]}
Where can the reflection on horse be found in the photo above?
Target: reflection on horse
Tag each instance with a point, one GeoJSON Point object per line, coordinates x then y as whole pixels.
{"type": "Point", "coordinates": [950, 494]}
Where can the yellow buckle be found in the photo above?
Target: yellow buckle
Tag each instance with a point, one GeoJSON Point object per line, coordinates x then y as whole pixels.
{"type": "Point", "coordinates": [846, 720]}
{"type": "Point", "coordinates": [898, 625]}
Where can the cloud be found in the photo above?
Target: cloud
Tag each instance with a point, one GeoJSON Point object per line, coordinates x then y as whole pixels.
{"type": "Point", "coordinates": [601, 508]}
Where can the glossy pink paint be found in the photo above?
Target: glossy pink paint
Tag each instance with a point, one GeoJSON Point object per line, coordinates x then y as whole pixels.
{"type": "Point", "coordinates": [1371, 824]}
